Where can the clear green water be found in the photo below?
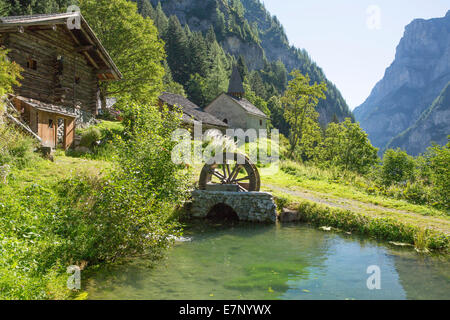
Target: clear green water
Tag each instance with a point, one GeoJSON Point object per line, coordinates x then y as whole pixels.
{"type": "Point", "coordinates": [275, 262]}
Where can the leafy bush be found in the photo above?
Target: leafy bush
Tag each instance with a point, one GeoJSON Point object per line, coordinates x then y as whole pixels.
{"type": "Point", "coordinates": [397, 167]}
{"type": "Point", "coordinates": [439, 163]}
{"type": "Point", "coordinates": [347, 146]}
{"type": "Point", "coordinates": [15, 148]}
{"type": "Point", "coordinates": [83, 220]}
{"type": "Point", "coordinates": [382, 228]}
{"type": "Point", "coordinates": [90, 136]}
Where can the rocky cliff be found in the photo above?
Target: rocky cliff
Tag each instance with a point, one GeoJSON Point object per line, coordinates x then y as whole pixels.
{"type": "Point", "coordinates": [420, 71]}
{"type": "Point", "coordinates": [433, 126]}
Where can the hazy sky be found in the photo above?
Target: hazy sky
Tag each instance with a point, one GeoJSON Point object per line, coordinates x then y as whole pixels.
{"type": "Point", "coordinates": [353, 41]}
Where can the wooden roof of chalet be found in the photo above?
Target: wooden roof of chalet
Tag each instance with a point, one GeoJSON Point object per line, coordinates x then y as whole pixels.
{"type": "Point", "coordinates": [85, 38]}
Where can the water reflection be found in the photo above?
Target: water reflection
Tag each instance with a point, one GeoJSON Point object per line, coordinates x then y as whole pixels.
{"type": "Point", "coordinates": [248, 261]}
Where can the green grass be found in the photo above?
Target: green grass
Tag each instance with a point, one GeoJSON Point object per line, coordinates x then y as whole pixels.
{"type": "Point", "coordinates": [384, 228]}
{"type": "Point", "coordinates": [329, 182]}
{"type": "Point", "coordinates": [29, 263]}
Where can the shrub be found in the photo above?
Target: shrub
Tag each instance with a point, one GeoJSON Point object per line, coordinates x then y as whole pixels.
{"type": "Point", "coordinates": [90, 136]}
{"type": "Point", "coordinates": [397, 167]}
{"type": "Point", "coordinates": [439, 164]}
{"type": "Point", "coordinates": [15, 148]}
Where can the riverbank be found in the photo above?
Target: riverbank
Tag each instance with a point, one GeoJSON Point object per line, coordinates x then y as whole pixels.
{"type": "Point", "coordinates": [343, 206]}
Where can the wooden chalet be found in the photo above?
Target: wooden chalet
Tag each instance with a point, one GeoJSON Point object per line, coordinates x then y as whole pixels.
{"type": "Point", "coordinates": [62, 71]}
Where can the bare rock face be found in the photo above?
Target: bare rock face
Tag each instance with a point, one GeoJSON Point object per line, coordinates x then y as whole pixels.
{"type": "Point", "coordinates": [420, 71]}
{"type": "Point", "coordinates": [432, 126]}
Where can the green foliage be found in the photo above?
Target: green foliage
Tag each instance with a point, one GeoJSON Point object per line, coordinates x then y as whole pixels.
{"type": "Point", "coordinates": [90, 136]}
{"type": "Point", "coordinates": [132, 41]}
{"type": "Point", "coordinates": [15, 148]}
{"type": "Point", "coordinates": [347, 146]}
{"type": "Point", "coordinates": [25, 7]}
{"type": "Point", "coordinates": [439, 164]}
{"type": "Point", "coordinates": [50, 224]}
{"type": "Point", "coordinates": [300, 100]}
{"type": "Point", "coordinates": [9, 73]}
{"type": "Point", "coordinates": [397, 167]}
{"type": "Point", "coordinates": [387, 229]}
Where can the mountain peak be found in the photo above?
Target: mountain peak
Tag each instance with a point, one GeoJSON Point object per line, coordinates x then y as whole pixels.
{"type": "Point", "coordinates": [419, 72]}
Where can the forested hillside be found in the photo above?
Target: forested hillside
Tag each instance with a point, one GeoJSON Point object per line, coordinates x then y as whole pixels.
{"type": "Point", "coordinates": [204, 38]}
{"type": "Point", "coordinates": [245, 31]}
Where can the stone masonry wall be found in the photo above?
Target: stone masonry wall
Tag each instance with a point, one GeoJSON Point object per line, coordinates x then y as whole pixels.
{"type": "Point", "coordinates": [249, 206]}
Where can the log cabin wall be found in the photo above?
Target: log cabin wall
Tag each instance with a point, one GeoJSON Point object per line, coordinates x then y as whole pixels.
{"type": "Point", "coordinates": [37, 51]}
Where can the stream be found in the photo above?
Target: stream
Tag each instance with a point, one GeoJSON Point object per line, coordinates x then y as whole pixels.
{"type": "Point", "coordinates": [283, 261]}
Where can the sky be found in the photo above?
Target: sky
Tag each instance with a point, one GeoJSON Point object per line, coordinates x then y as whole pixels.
{"type": "Point", "coordinates": [353, 41]}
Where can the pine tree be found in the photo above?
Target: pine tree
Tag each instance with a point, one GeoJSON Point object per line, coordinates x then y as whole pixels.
{"type": "Point", "coordinates": [220, 25]}
{"type": "Point", "coordinates": [161, 21]}
{"type": "Point", "coordinates": [176, 49]}
{"type": "Point", "coordinates": [242, 67]}
{"type": "Point", "coordinates": [197, 55]}
{"type": "Point", "coordinates": [145, 8]}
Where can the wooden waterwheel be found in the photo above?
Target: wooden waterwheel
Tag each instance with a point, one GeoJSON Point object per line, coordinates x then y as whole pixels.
{"type": "Point", "coordinates": [232, 172]}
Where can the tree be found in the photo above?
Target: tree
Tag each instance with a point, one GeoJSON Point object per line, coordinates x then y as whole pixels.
{"type": "Point", "coordinates": [24, 7]}
{"type": "Point", "coordinates": [161, 20]}
{"type": "Point", "coordinates": [145, 8]}
{"type": "Point", "coordinates": [133, 44]}
{"type": "Point", "coordinates": [5, 8]}
{"type": "Point", "coordinates": [347, 146]}
{"type": "Point", "coordinates": [242, 67]}
{"type": "Point", "coordinates": [300, 100]}
{"type": "Point", "coordinates": [9, 73]}
{"type": "Point", "coordinates": [197, 55]}
{"type": "Point", "coordinates": [438, 159]}
{"type": "Point", "coordinates": [397, 167]}
{"type": "Point", "coordinates": [177, 48]}
{"type": "Point", "coordinates": [169, 84]}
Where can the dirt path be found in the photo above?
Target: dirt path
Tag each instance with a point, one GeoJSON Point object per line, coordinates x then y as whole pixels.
{"type": "Point", "coordinates": [433, 222]}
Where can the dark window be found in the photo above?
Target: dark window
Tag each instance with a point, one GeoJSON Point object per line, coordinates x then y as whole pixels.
{"type": "Point", "coordinates": [225, 121]}
{"type": "Point", "coordinates": [32, 64]}
{"type": "Point", "coordinates": [50, 123]}
{"type": "Point", "coordinates": [260, 123]}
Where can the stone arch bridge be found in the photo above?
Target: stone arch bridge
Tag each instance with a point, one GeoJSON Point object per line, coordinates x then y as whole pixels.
{"type": "Point", "coordinates": [249, 206]}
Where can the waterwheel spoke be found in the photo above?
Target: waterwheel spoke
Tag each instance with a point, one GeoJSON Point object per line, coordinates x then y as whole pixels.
{"type": "Point", "coordinates": [242, 179]}
{"type": "Point", "coordinates": [220, 176]}
{"type": "Point", "coordinates": [242, 188]}
{"type": "Point", "coordinates": [234, 173]}
{"type": "Point", "coordinates": [228, 170]}
{"type": "Point", "coordinates": [224, 172]}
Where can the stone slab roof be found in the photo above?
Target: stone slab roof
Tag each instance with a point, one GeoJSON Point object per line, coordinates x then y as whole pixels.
{"type": "Point", "coordinates": [249, 107]}
{"type": "Point", "coordinates": [47, 107]}
{"type": "Point", "coordinates": [190, 109]}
